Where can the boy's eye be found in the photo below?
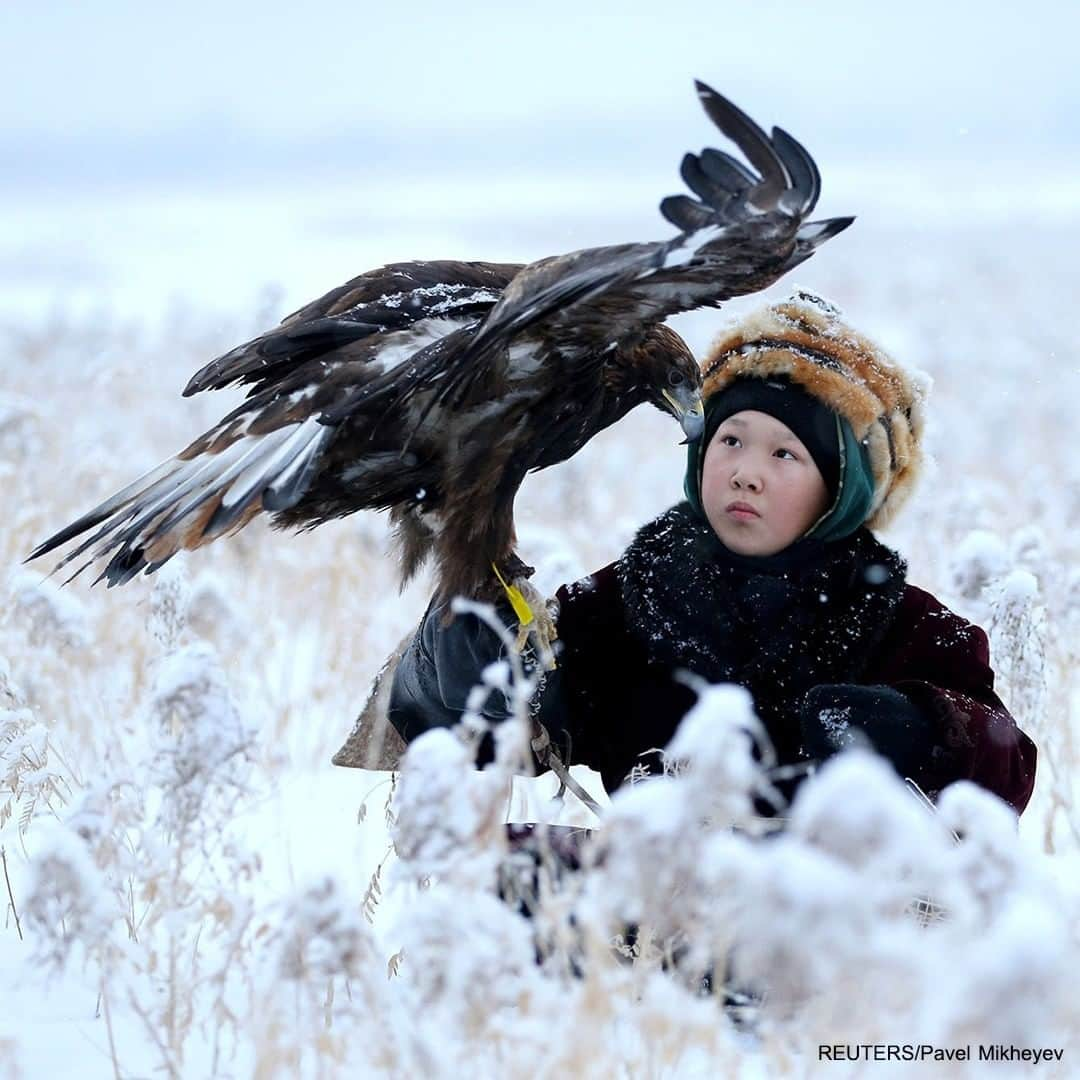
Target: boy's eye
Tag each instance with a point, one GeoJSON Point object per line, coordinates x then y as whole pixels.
{"type": "Point", "coordinates": [724, 439]}
{"type": "Point", "coordinates": [782, 450]}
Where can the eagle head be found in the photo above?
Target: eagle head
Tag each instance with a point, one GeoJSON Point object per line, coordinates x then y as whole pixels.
{"type": "Point", "coordinates": [665, 368]}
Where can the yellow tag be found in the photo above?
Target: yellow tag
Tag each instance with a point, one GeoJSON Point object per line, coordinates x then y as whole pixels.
{"type": "Point", "coordinates": [517, 601]}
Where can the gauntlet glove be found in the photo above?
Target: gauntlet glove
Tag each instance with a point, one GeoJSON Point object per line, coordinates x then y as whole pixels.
{"type": "Point", "coordinates": [837, 716]}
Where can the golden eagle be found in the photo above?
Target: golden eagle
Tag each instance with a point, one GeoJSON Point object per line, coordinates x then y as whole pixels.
{"type": "Point", "coordinates": [430, 389]}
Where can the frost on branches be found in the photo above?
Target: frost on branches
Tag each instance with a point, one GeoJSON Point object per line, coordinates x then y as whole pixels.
{"type": "Point", "coordinates": [685, 902]}
{"type": "Point", "coordinates": [142, 886]}
{"type": "Point", "coordinates": [137, 884]}
{"type": "Point", "coordinates": [822, 924]}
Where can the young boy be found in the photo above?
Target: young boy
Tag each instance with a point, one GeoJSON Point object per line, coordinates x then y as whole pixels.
{"type": "Point", "coordinates": [769, 576]}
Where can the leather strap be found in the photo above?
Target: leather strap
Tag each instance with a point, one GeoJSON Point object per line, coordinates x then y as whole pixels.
{"type": "Point", "coordinates": [546, 754]}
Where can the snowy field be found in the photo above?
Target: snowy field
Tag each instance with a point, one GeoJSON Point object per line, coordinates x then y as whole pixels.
{"type": "Point", "coordinates": [192, 889]}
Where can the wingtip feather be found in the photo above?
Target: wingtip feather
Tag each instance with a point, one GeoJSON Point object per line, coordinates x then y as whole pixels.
{"type": "Point", "coordinates": [806, 179]}
{"type": "Point", "coordinates": [812, 234]}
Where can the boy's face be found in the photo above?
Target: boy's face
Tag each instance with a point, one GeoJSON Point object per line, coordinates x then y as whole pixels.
{"type": "Point", "coordinates": [756, 460]}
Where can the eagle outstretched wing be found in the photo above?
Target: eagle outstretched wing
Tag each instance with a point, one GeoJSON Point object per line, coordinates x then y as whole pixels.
{"type": "Point", "coordinates": [744, 230]}
{"type": "Point", "coordinates": [266, 449]}
{"type": "Point", "coordinates": [390, 298]}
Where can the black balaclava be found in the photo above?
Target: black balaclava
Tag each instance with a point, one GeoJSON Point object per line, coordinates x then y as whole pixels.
{"type": "Point", "coordinates": [810, 419]}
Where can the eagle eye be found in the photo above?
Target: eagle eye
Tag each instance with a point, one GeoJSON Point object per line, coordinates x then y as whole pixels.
{"type": "Point", "coordinates": [675, 377]}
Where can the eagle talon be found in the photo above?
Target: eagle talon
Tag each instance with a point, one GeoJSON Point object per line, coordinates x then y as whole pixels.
{"type": "Point", "coordinates": [535, 621]}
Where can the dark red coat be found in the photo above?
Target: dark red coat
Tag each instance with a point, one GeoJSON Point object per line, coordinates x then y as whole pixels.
{"type": "Point", "coordinates": [615, 704]}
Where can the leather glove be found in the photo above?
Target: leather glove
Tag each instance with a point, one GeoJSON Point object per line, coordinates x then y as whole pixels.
{"type": "Point", "coordinates": [437, 672]}
{"type": "Point", "coordinates": [837, 716]}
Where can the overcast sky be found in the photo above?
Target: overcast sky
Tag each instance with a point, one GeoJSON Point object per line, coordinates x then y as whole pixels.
{"type": "Point", "coordinates": [203, 149]}
{"type": "Point", "coordinates": [125, 93]}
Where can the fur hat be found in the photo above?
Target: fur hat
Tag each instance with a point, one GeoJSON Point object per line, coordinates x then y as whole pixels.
{"type": "Point", "coordinates": [805, 338]}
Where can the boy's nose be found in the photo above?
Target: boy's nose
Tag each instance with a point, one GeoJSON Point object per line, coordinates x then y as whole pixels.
{"type": "Point", "coordinates": [745, 480]}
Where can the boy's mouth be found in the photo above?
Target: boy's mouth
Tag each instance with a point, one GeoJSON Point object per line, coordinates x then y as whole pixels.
{"type": "Point", "coordinates": [742, 510]}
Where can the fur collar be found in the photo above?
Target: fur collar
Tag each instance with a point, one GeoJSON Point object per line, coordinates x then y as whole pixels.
{"type": "Point", "coordinates": [777, 626]}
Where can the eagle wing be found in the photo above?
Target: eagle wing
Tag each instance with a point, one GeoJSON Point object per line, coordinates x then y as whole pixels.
{"type": "Point", "coordinates": [359, 338]}
{"type": "Point", "coordinates": [744, 230]}
{"type": "Point", "coordinates": [383, 301]}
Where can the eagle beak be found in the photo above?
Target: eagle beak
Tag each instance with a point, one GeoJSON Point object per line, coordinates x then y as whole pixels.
{"type": "Point", "coordinates": [688, 409]}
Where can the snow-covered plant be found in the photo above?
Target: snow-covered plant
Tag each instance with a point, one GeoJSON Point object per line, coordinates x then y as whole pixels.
{"type": "Point", "coordinates": [977, 561]}
{"type": "Point", "coordinates": [1016, 629]}
{"type": "Point", "coordinates": [68, 899]}
{"type": "Point", "coordinates": [34, 778]}
{"type": "Point", "coordinates": [715, 747]}
{"type": "Point", "coordinates": [322, 934]}
{"type": "Point", "coordinates": [48, 615]}
{"type": "Point", "coordinates": [169, 600]}
{"type": "Point", "coordinates": [648, 865]}
{"type": "Point", "coordinates": [144, 872]}
{"type": "Point", "coordinates": [1010, 947]}
{"type": "Point", "coordinates": [204, 749]}
{"type": "Point", "coordinates": [212, 612]}
{"type": "Point", "coordinates": [30, 781]}
{"type": "Point", "coordinates": [833, 893]}
{"type": "Point", "coordinates": [20, 428]}
{"type": "Point", "coordinates": [474, 988]}
{"type": "Point", "coordinates": [449, 817]}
